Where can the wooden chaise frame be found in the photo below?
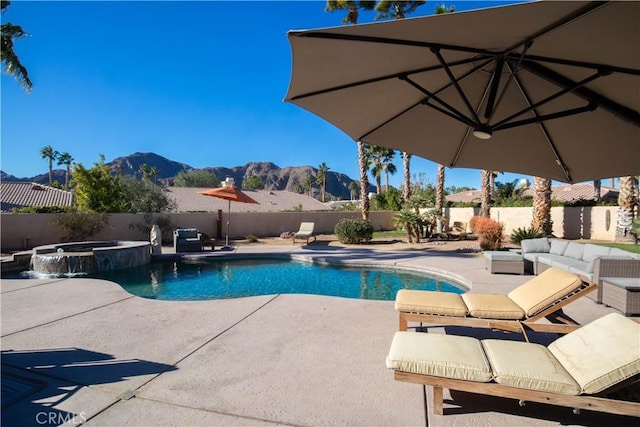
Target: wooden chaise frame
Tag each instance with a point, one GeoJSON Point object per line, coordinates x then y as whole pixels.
{"type": "Point", "coordinates": [560, 322]}
{"type": "Point", "coordinates": [593, 403]}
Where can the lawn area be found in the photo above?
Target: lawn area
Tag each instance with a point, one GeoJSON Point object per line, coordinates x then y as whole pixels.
{"type": "Point", "coordinates": [629, 247]}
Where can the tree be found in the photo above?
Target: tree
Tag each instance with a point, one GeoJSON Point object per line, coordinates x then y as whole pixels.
{"type": "Point", "coordinates": [145, 172]}
{"type": "Point", "coordinates": [252, 183]}
{"type": "Point", "coordinates": [379, 160]}
{"type": "Point", "coordinates": [307, 184]}
{"type": "Point", "coordinates": [143, 196]}
{"type": "Point", "coordinates": [97, 190]}
{"type": "Point", "coordinates": [626, 202]}
{"type": "Point", "coordinates": [440, 189]}
{"type": "Point", "coordinates": [66, 159]}
{"type": "Point", "coordinates": [351, 7]}
{"type": "Point", "coordinates": [49, 153]}
{"type": "Point", "coordinates": [196, 178]}
{"type": "Point", "coordinates": [406, 173]}
{"type": "Point", "coordinates": [396, 9]}
{"type": "Point", "coordinates": [353, 189]}
{"type": "Point", "coordinates": [542, 206]}
{"type": "Point", "coordinates": [321, 179]}
{"type": "Point", "coordinates": [10, 62]}
{"type": "Point", "coordinates": [485, 197]}
{"type": "Point", "coordinates": [597, 190]}
{"type": "Point", "coordinates": [363, 163]}
{"type": "Point", "coordinates": [441, 8]}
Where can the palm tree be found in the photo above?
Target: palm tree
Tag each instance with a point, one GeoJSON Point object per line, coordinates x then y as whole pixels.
{"type": "Point", "coordinates": [351, 7]}
{"type": "Point", "coordinates": [321, 179]}
{"type": "Point", "coordinates": [379, 160]}
{"type": "Point", "coordinates": [626, 203]}
{"type": "Point", "coordinates": [597, 190]}
{"type": "Point", "coordinates": [145, 171]}
{"type": "Point", "coordinates": [154, 172]}
{"type": "Point", "coordinates": [485, 197]}
{"type": "Point", "coordinates": [49, 153]}
{"type": "Point", "coordinates": [542, 206]}
{"type": "Point", "coordinates": [406, 171]}
{"type": "Point", "coordinates": [307, 184]}
{"type": "Point", "coordinates": [440, 189]}
{"type": "Point", "coordinates": [353, 189]}
{"type": "Point", "coordinates": [363, 163]}
{"type": "Point", "coordinates": [66, 159]}
{"type": "Point", "coordinates": [10, 61]}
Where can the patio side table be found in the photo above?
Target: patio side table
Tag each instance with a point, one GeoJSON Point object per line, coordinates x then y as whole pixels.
{"type": "Point", "coordinates": [503, 262]}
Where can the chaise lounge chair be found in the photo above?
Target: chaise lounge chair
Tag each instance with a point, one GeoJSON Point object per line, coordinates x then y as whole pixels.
{"type": "Point", "coordinates": [542, 296]}
{"type": "Point", "coordinates": [305, 232]}
{"type": "Point", "coordinates": [580, 370]}
{"type": "Point", "coordinates": [458, 231]}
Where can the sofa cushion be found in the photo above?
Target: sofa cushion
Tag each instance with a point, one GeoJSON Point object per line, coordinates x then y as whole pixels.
{"type": "Point", "coordinates": [487, 306]}
{"type": "Point", "coordinates": [430, 302]}
{"type": "Point", "coordinates": [539, 292]}
{"type": "Point", "coordinates": [566, 264]}
{"type": "Point", "coordinates": [540, 245]}
{"type": "Point", "coordinates": [558, 246]}
{"type": "Point", "coordinates": [619, 252]}
{"type": "Point", "coordinates": [574, 250]}
{"type": "Point", "coordinates": [591, 252]}
{"type": "Point", "coordinates": [601, 353]}
{"type": "Point", "coordinates": [549, 259]}
{"type": "Point", "coordinates": [449, 356]}
{"type": "Point", "coordinates": [586, 275]}
{"type": "Point", "coordinates": [529, 366]}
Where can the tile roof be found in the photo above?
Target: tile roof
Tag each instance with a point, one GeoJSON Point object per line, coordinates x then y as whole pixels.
{"type": "Point", "coordinates": [15, 194]}
{"type": "Point", "coordinates": [564, 193]}
{"type": "Point", "coordinates": [189, 199]}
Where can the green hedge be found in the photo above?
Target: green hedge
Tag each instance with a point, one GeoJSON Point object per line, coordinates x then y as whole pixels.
{"type": "Point", "coordinates": [354, 231]}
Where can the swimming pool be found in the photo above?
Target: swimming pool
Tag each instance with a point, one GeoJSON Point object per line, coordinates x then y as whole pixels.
{"type": "Point", "coordinates": [217, 279]}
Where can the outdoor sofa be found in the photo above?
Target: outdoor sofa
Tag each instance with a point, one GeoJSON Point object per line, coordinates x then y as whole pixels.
{"type": "Point", "coordinates": [579, 370]}
{"type": "Point", "coordinates": [594, 263]}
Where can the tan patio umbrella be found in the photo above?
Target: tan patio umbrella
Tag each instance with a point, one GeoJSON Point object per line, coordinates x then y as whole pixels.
{"type": "Point", "coordinates": [549, 89]}
{"type": "Point", "coordinates": [229, 192]}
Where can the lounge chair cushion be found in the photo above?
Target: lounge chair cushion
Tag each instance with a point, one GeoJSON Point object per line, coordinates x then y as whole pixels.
{"type": "Point", "coordinates": [601, 353]}
{"type": "Point", "coordinates": [439, 355]}
{"type": "Point", "coordinates": [487, 306]}
{"type": "Point", "coordinates": [430, 302]}
{"type": "Point", "coordinates": [544, 289]}
{"type": "Point", "coordinates": [530, 366]}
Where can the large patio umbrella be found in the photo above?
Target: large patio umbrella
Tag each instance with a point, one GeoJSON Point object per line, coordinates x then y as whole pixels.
{"type": "Point", "coordinates": [229, 192]}
{"type": "Point", "coordinates": [549, 89]}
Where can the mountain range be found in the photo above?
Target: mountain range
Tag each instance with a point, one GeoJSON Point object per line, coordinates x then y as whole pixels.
{"type": "Point", "coordinates": [272, 176]}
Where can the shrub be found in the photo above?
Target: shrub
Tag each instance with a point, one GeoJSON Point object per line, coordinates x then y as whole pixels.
{"type": "Point", "coordinates": [411, 222]}
{"type": "Point", "coordinates": [352, 231]}
{"type": "Point", "coordinates": [489, 232]}
{"type": "Point", "coordinates": [519, 234]}
{"type": "Point", "coordinates": [251, 238]}
{"type": "Point", "coordinates": [81, 225]}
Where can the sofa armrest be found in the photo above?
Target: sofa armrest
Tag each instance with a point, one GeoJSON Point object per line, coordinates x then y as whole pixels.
{"type": "Point", "coordinates": [616, 266]}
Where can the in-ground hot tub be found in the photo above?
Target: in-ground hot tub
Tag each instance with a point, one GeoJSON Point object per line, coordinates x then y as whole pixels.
{"type": "Point", "coordinates": [87, 257]}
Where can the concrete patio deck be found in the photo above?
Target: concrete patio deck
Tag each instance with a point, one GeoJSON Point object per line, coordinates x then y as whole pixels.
{"type": "Point", "coordinates": [86, 351]}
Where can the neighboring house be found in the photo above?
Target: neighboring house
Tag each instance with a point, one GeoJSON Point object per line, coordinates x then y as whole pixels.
{"type": "Point", "coordinates": [565, 193]}
{"type": "Point", "coordinates": [188, 199]}
{"type": "Point", "coordinates": [15, 194]}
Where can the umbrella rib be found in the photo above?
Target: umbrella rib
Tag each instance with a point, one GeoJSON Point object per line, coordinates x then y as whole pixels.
{"type": "Point", "coordinates": [503, 124]}
{"type": "Point", "coordinates": [545, 132]}
{"type": "Point", "coordinates": [559, 23]}
{"type": "Point", "coordinates": [584, 93]}
{"type": "Point", "coordinates": [582, 64]}
{"type": "Point", "coordinates": [547, 117]}
{"type": "Point", "coordinates": [453, 79]}
{"type": "Point", "coordinates": [381, 78]}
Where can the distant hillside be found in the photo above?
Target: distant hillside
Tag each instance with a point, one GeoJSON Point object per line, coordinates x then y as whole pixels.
{"type": "Point", "coordinates": [273, 177]}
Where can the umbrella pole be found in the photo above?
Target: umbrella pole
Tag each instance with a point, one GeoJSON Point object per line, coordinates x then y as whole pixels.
{"type": "Point", "coordinates": [228, 216]}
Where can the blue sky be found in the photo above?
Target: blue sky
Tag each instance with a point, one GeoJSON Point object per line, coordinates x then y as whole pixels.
{"type": "Point", "coordinates": [198, 82]}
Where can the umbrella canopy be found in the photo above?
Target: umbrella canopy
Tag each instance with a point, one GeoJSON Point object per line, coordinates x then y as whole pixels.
{"type": "Point", "coordinates": [231, 193]}
{"type": "Point", "coordinates": [550, 89]}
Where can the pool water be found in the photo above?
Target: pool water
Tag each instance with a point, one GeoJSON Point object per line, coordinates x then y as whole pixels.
{"type": "Point", "coordinates": [202, 280]}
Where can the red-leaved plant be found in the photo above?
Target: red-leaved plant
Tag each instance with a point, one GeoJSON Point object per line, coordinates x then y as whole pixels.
{"type": "Point", "coordinates": [489, 232]}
